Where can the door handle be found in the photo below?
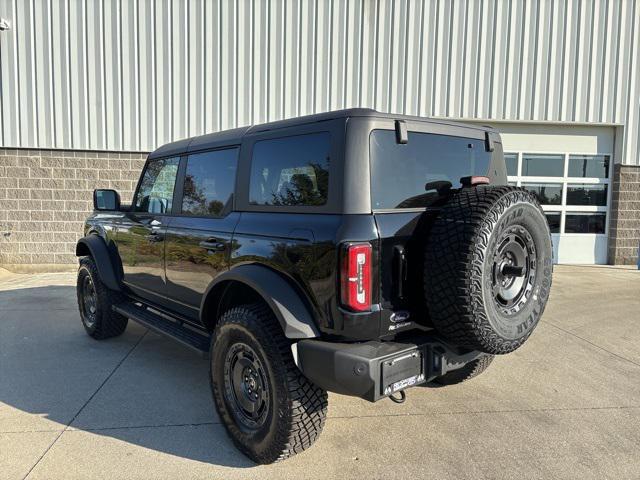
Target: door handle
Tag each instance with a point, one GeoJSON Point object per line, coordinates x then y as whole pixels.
{"type": "Point", "coordinates": [212, 245]}
{"type": "Point", "coordinates": [400, 269]}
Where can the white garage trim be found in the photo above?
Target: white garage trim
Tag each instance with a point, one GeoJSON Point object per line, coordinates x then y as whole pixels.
{"type": "Point", "coordinates": [565, 142]}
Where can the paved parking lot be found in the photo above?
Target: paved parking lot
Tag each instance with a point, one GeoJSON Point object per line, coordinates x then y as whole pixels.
{"type": "Point", "coordinates": [566, 405]}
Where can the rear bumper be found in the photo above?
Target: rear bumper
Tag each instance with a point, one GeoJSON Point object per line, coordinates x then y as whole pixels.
{"type": "Point", "coordinates": [374, 370]}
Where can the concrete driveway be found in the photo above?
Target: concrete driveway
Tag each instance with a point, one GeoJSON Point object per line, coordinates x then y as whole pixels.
{"type": "Point", "coordinates": [566, 405]}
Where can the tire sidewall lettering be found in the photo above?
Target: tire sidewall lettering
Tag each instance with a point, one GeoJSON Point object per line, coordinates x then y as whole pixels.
{"type": "Point", "coordinates": [511, 210]}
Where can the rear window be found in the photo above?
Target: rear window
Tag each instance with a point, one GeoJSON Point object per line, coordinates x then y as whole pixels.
{"type": "Point", "coordinates": [291, 171]}
{"type": "Point", "coordinates": [418, 174]}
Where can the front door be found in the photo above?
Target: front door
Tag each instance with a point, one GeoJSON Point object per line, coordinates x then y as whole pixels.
{"type": "Point", "coordinates": [140, 236]}
{"type": "Point", "coordinates": [198, 241]}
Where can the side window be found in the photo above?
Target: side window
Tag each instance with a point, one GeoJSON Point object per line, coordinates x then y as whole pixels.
{"type": "Point", "coordinates": [291, 171]}
{"type": "Point", "coordinates": [155, 194]}
{"type": "Point", "coordinates": [209, 182]}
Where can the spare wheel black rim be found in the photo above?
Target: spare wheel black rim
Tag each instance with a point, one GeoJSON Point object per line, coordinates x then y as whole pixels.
{"type": "Point", "coordinates": [513, 270]}
{"type": "Point", "coordinates": [246, 386]}
{"type": "Point", "coordinates": [89, 301]}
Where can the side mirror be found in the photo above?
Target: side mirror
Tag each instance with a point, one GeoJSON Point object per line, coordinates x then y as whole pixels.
{"type": "Point", "coordinates": [106, 200]}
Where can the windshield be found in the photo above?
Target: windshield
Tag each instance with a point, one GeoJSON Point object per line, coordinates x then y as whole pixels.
{"type": "Point", "coordinates": [420, 173]}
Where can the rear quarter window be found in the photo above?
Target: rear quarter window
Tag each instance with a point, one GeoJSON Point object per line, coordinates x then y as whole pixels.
{"type": "Point", "coordinates": [291, 171]}
{"type": "Point", "coordinates": [418, 174]}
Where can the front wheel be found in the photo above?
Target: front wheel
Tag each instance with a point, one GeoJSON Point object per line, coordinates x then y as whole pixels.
{"type": "Point", "coordinates": [270, 410]}
{"type": "Point", "coordinates": [95, 302]}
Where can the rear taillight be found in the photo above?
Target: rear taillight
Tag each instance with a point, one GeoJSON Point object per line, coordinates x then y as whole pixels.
{"type": "Point", "coordinates": [355, 277]}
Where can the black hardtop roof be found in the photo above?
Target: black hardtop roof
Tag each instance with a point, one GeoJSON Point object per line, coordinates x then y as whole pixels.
{"type": "Point", "coordinates": [234, 136]}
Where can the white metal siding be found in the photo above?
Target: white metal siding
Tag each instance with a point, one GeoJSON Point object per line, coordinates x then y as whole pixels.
{"type": "Point", "coordinates": [133, 74]}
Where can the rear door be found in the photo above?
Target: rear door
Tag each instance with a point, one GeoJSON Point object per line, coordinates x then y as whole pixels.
{"type": "Point", "coordinates": [409, 182]}
{"type": "Point", "coordinates": [140, 235]}
{"type": "Point", "coordinates": [198, 241]}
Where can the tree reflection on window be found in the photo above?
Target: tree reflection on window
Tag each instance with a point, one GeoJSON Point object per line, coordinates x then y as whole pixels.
{"type": "Point", "coordinates": [308, 186]}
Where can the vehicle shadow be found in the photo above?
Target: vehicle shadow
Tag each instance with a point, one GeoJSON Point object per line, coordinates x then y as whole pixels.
{"type": "Point", "coordinates": [138, 388]}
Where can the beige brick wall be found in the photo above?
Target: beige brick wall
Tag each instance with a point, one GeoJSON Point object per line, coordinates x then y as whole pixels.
{"type": "Point", "coordinates": [624, 226]}
{"type": "Point", "coordinates": [45, 195]}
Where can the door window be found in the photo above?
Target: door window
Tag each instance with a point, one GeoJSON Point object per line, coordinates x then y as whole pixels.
{"type": "Point", "coordinates": [209, 182]}
{"type": "Point", "coordinates": [155, 194]}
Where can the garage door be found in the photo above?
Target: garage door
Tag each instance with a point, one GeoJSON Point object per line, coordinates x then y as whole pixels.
{"type": "Point", "coordinates": [569, 169]}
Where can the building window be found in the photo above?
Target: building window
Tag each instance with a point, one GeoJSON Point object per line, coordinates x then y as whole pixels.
{"type": "Point", "coordinates": [573, 189]}
{"type": "Point", "coordinates": [534, 165]}
{"type": "Point", "coordinates": [581, 222]}
{"type": "Point", "coordinates": [554, 221]}
{"type": "Point", "coordinates": [547, 193]}
{"type": "Point", "coordinates": [583, 194]}
{"type": "Point", "coordinates": [589, 166]}
{"type": "Point", "coordinates": [511, 159]}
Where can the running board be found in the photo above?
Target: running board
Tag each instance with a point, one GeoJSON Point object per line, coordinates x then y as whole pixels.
{"type": "Point", "coordinates": [161, 324]}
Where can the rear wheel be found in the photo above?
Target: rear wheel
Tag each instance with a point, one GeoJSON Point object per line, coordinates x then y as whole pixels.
{"type": "Point", "coordinates": [270, 410]}
{"type": "Point", "coordinates": [95, 302]}
{"type": "Point", "coordinates": [470, 370]}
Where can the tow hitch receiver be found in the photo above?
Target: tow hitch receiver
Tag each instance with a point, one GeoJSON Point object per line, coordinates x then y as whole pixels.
{"type": "Point", "coordinates": [374, 370]}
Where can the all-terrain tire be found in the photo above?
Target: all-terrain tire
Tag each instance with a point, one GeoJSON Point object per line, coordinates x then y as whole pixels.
{"type": "Point", "coordinates": [294, 411]}
{"type": "Point", "coordinates": [103, 322]}
{"type": "Point", "coordinates": [466, 278]}
{"type": "Point", "coordinates": [470, 370]}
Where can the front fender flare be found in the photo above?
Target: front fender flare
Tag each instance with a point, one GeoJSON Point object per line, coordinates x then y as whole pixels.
{"type": "Point", "coordinates": [293, 315]}
{"type": "Point", "coordinates": [98, 249]}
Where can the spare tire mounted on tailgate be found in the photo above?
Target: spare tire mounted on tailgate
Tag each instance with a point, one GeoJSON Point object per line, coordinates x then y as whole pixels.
{"type": "Point", "coordinates": [488, 267]}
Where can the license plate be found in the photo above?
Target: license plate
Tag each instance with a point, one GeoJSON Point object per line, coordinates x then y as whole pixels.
{"type": "Point", "coordinates": [407, 382]}
{"type": "Point", "coordinates": [402, 372]}
{"type": "Point", "coordinates": [402, 384]}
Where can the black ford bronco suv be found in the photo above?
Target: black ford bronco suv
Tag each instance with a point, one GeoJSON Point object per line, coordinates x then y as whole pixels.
{"type": "Point", "coordinates": [354, 252]}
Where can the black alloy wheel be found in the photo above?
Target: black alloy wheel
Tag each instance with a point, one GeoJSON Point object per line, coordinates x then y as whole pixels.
{"type": "Point", "coordinates": [514, 269]}
{"type": "Point", "coordinates": [89, 303]}
{"type": "Point", "coordinates": [246, 386]}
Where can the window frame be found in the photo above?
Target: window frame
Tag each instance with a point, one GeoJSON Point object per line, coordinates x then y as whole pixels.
{"type": "Point", "coordinates": [565, 181]}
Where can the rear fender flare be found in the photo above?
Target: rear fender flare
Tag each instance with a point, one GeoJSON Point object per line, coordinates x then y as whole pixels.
{"type": "Point", "coordinates": [286, 303]}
